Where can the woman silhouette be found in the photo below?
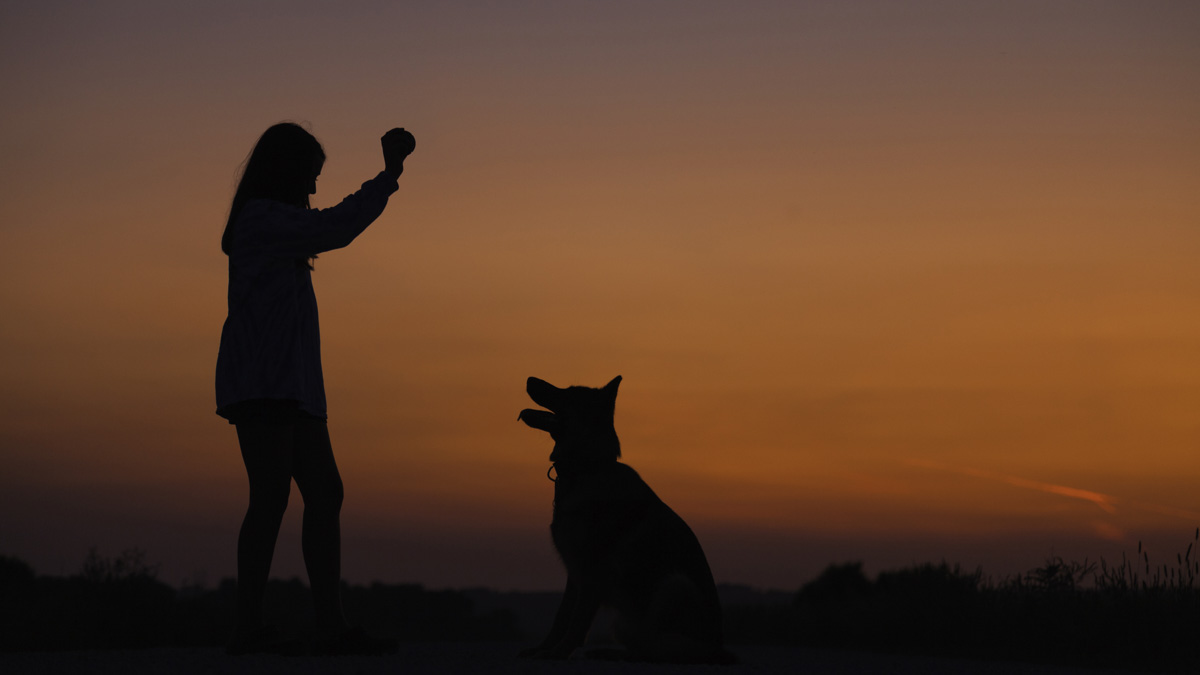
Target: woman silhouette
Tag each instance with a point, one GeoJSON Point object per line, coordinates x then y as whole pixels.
{"type": "Point", "coordinates": [269, 382]}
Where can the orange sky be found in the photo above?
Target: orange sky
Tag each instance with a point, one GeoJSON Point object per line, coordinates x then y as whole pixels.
{"type": "Point", "coordinates": [889, 282]}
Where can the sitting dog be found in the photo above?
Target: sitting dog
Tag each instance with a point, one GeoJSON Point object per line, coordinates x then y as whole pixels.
{"type": "Point", "coordinates": [622, 546]}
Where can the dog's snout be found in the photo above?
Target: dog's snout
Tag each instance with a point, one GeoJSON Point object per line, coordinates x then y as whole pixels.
{"type": "Point", "coordinates": [538, 419]}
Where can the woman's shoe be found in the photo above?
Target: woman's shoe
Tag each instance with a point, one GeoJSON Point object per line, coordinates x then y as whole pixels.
{"type": "Point", "coordinates": [261, 640]}
{"type": "Point", "coordinates": [354, 641]}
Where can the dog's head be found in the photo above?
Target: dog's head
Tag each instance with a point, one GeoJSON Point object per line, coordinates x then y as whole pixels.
{"type": "Point", "coordinates": [579, 419]}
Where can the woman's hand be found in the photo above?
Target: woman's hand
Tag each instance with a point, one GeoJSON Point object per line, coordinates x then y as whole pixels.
{"type": "Point", "coordinates": [397, 144]}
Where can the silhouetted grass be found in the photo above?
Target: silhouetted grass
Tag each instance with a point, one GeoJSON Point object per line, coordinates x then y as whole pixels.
{"type": "Point", "coordinates": [1137, 614]}
{"type": "Point", "coordinates": [1132, 615]}
{"type": "Point", "coordinates": [116, 603]}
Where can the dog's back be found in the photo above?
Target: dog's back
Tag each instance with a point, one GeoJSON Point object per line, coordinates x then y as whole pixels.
{"type": "Point", "coordinates": [622, 546]}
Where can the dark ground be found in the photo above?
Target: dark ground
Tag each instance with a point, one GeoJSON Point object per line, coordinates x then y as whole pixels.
{"type": "Point", "coordinates": [115, 617]}
{"type": "Point", "coordinates": [497, 658]}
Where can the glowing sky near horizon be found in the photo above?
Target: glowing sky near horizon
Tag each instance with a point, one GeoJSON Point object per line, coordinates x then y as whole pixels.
{"type": "Point", "coordinates": [893, 282]}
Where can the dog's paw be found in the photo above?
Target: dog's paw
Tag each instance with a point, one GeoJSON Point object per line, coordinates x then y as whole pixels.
{"type": "Point", "coordinates": [529, 653]}
{"type": "Point", "coordinates": [544, 654]}
{"type": "Point", "coordinates": [539, 652]}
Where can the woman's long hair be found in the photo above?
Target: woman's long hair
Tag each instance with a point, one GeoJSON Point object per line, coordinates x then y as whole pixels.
{"type": "Point", "coordinates": [280, 168]}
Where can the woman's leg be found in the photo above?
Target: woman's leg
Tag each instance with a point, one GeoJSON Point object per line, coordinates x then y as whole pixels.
{"type": "Point", "coordinates": [267, 451]}
{"type": "Point", "coordinates": [320, 484]}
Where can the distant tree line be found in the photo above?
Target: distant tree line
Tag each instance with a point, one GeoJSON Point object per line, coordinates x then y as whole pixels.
{"type": "Point", "coordinates": [118, 603]}
{"type": "Point", "coordinates": [1134, 615]}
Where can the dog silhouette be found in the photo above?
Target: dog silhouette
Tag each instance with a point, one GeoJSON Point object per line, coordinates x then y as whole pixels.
{"type": "Point", "coordinates": [622, 546]}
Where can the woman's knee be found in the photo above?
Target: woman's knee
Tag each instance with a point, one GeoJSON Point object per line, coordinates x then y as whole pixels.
{"type": "Point", "coordinates": [270, 500]}
{"type": "Point", "coordinates": [326, 496]}
{"type": "Point", "coordinates": [315, 469]}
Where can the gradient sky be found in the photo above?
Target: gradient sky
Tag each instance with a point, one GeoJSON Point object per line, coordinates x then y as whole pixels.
{"type": "Point", "coordinates": [891, 282]}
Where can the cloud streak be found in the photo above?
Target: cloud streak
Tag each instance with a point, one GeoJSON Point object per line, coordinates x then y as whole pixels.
{"type": "Point", "coordinates": [1105, 502]}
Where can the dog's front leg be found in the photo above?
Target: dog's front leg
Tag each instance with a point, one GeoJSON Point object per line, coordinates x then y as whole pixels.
{"type": "Point", "coordinates": [581, 600]}
{"type": "Point", "coordinates": [582, 611]}
{"type": "Point", "coordinates": [559, 627]}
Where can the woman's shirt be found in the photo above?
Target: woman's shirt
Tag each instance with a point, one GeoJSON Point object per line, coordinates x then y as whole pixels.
{"type": "Point", "coordinates": [271, 341]}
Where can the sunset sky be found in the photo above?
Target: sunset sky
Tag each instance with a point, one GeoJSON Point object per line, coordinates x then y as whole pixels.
{"type": "Point", "coordinates": [886, 281]}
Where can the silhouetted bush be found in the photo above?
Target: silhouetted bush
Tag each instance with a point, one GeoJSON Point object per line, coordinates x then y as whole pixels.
{"type": "Point", "coordinates": [838, 584]}
{"type": "Point", "coordinates": [118, 603]}
{"type": "Point", "coordinates": [16, 577]}
{"type": "Point", "coordinates": [112, 603]}
{"type": "Point", "coordinates": [1133, 615]}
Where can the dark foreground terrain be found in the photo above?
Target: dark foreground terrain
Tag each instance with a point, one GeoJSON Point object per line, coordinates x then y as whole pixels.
{"type": "Point", "coordinates": [115, 616]}
{"type": "Point", "coordinates": [497, 658]}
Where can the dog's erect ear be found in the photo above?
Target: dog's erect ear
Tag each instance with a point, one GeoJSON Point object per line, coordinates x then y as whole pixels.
{"type": "Point", "coordinates": [543, 393]}
{"type": "Point", "coordinates": [611, 387]}
{"type": "Point", "coordinates": [538, 419]}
